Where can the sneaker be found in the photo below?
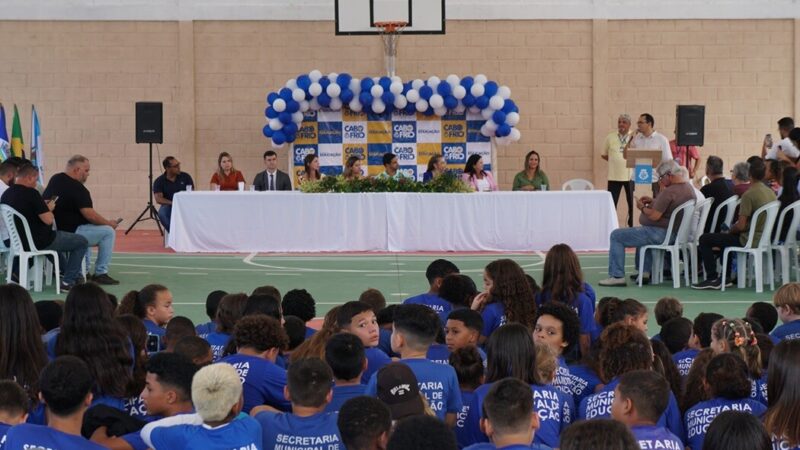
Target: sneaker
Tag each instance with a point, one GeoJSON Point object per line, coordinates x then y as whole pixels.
{"type": "Point", "coordinates": [709, 284]}
{"type": "Point", "coordinates": [65, 287]}
{"type": "Point", "coordinates": [613, 282]}
{"type": "Point", "coordinates": [645, 278]}
{"type": "Point", "coordinates": [81, 280]}
{"type": "Point", "coordinates": [104, 279]}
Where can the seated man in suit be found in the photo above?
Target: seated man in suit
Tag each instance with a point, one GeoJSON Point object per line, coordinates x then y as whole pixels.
{"type": "Point", "coordinates": [272, 179]}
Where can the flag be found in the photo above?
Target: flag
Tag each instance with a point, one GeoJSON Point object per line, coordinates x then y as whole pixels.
{"type": "Point", "coordinates": [37, 157]}
{"type": "Point", "coordinates": [16, 136]}
{"type": "Point", "coordinates": [5, 146]}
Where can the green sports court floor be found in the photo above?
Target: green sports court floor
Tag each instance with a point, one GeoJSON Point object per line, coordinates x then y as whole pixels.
{"type": "Point", "coordinates": [333, 279]}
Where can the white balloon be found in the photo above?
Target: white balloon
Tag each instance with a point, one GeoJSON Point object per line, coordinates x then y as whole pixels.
{"type": "Point", "coordinates": [440, 111]}
{"type": "Point", "coordinates": [332, 77]}
{"type": "Point", "coordinates": [396, 88]}
{"type": "Point", "coordinates": [496, 102]}
{"type": "Point", "coordinates": [396, 79]}
{"type": "Point", "coordinates": [459, 92]}
{"type": "Point", "coordinates": [291, 83]}
{"type": "Point", "coordinates": [422, 105]}
{"type": "Point", "coordinates": [336, 104]}
{"type": "Point", "coordinates": [434, 81]}
{"type": "Point", "coordinates": [504, 91]}
{"type": "Point", "coordinates": [376, 80]}
{"type": "Point", "coordinates": [275, 124]}
{"type": "Point", "coordinates": [315, 89]}
{"type": "Point", "coordinates": [453, 79]}
{"type": "Point", "coordinates": [481, 78]}
{"type": "Point", "coordinates": [490, 125]}
{"type": "Point", "coordinates": [279, 105]}
{"type": "Point", "coordinates": [355, 85]}
{"type": "Point", "coordinates": [436, 101]}
{"type": "Point", "coordinates": [315, 75]}
{"type": "Point", "coordinates": [304, 105]}
{"type": "Point", "coordinates": [486, 131]}
{"type": "Point", "coordinates": [376, 90]}
{"type": "Point", "coordinates": [502, 140]}
{"type": "Point", "coordinates": [487, 113]}
{"type": "Point", "coordinates": [460, 108]}
{"type": "Point", "coordinates": [378, 106]}
{"type": "Point", "coordinates": [474, 110]}
{"type": "Point", "coordinates": [412, 95]}
{"type": "Point", "coordinates": [314, 104]}
{"type": "Point", "coordinates": [333, 90]}
{"type": "Point", "coordinates": [297, 117]}
{"type": "Point", "coordinates": [512, 118]}
{"type": "Point", "coordinates": [476, 90]}
{"type": "Point", "coordinates": [400, 102]}
{"type": "Point", "coordinates": [355, 105]}
{"type": "Point", "coordinates": [416, 84]}
{"type": "Point", "coordinates": [515, 135]}
{"type": "Point", "coordinates": [298, 95]}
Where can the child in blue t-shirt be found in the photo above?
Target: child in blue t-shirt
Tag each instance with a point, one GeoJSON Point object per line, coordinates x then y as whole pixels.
{"type": "Point", "coordinates": [435, 273]}
{"type": "Point", "coordinates": [152, 304]}
{"type": "Point", "coordinates": [506, 297]}
{"type": "Point", "coordinates": [212, 303]}
{"type": "Point", "coordinates": [729, 388]}
{"type": "Point", "coordinates": [666, 309]}
{"type": "Point", "coordinates": [415, 329]}
{"type": "Point", "coordinates": [640, 398]}
{"type": "Point", "coordinates": [344, 353]}
{"type": "Point", "coordinates": [218, 424]}
{"type": "Point", "coordinates": [258, 339]}
{"type": "Point", "coordinates": [308, 426]}
{"type": "Point", "coordinates": [681, 341]}
{"type": "Point", "coordinates": [14, 406]}
{"type": "Point", "coordinates": [787, 301]}
{"type": "Point", "coordinates": [299, 303]}
{"type": "Point", "coordinates": [462, 329]}
{"type": "Point", "coordinates": [230, 310]}
{"type": "Point", "coordinates": [358, 318]}
{"type": "Point", "coordinates": [558, 327]}
{"type": "Point", "coordinates": [468, 365]}
{"type": "Point", "coordinates": [65, 387]}
{"type": "Point", "coordinates": [736, 336]}
{"type": "Point", "coordinates": [364, 423]}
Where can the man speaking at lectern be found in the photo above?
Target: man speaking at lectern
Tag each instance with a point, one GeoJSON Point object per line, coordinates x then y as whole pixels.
{"type": "Point", "coordinates": [647, 138]}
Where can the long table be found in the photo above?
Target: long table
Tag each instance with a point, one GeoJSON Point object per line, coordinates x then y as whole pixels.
{"type": "Point", "coordinates": [246, 222]}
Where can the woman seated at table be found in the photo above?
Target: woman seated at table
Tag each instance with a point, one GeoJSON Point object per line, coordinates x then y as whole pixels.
{"type": "Point", "coordinates": [436, 167]}
{"type": "Point", "coordinates": [477, 178]}
{"type": "Point", "coordinates": [352, 168]}
{"type": "Point", "coordinates": [226, 178]}
{"type": "Point", "coordinates": [311, 169]}
{"type": "Point", "coordinates": [533, 177]}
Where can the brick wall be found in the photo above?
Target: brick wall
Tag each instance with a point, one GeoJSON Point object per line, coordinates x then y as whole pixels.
{"type": "Point", "coordinates": [571, 78]}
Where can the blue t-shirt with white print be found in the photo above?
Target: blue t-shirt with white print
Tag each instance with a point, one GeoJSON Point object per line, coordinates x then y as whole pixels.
{"type": "Point", "coordinates": [699, 417]}
{"type": "Point", "coordinates": [341, 394]}
{"type": "Point", "coordinates": [494, 316]}
{"type": "Point", "coordinates": [582, 305]}
{"type": "Point", "coordinates": [375, 360]}
{"type": "Point", "coordinates": [684, 360]}
{"type": "Point", "coordinates": [262, 382]}
{"type": "Point", "coordinates": [218, 341]}
{"type": "Point", "coordinates": [28, 436]}
{"type": "Point", "coordinates": [563, 381]}
{"type": "Point", "coordinates": [205, 328]}
{"type": "Point", "coordinates": [655, 437]}
{"type": "Point", "coordinates": [437, 382]}
{"type": "Point", "coordinates": [584, 381]}
{"type": "Point", "coordinates": [3, 430]}
{"type": "Point", "coordinates": [461, 418]}
{"type": "Point", "coordinates": [244, 433]}
{"type": "Point", "coordinates": [441, 306]}
{"type": "Point", "coordinates": [790, 330]}
{"type": "Point", "coordinates": [490, 446]}
{"type": "Point", "coordinates": [288, 431]}
{"type": "Point", "coordinates": [758, 389]}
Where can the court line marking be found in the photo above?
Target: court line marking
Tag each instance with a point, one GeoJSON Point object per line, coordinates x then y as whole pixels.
{"type": "Point", "coordinates": [192, 273]}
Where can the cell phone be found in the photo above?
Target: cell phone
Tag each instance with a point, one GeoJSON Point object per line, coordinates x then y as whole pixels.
{"type": "Point", "coordinates": [55, 198]}
{"type": "Point", "coordinates": [153, 343]}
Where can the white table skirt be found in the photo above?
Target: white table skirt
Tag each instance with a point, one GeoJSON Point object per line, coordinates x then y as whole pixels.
{"type": "Point", "coordinates": [245, 222]}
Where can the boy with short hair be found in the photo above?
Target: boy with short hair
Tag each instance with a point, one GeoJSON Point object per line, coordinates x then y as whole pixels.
{"type": "Point", "coordinates": [677, 334]}
{"type": "Point", "coordinates": [344, 353]}
{"type": "Point", "coordinates": [299, 303]}
{"type": "Point", "coordinates": [212, 303]}
{"type": "Point", "coordinates": [787, 302]}
{"type": "Point", "coordinates": [762, 312]}
{"type": "Point", "coordinates": [14, 406]}
{"type": "Point", "coordinates": [463, 328]}
{"type": "Point", "coordinates": [308, 425]}
{"type": "Point", "coordinates": [435, 272]}
{"type": "Point", "coordinates": [640, 398]}
{"type": "Point", "coordinates": [178, 328]}
{"type": "Point", "coordinates": [258, 339]}
{"type": "Point", "coordinates": [197, 349]}
{"type": "Point", "coordinates": [358, 318]}
{"type": "Point", "coordinates": [667, 308]}
{"type": "Point", "coordinates": [66, 390]}
{"type": "Point", "coordinates": [364, 424]}
{"type": "Point", "coordinates": [415, 329]}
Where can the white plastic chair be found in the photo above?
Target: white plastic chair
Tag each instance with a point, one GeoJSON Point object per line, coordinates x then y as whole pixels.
{"type": "Point", "coordinates": [690, 249]}
{"type": "Point", "coordinates": [673, 246]}
{"type": "Point", "coordinates": [18, 250]}
{"type": "Point", "coordinates": [577, 184]}
{"type": "Point", "coordinates": [786, 251]}
{"type": "Point", "coordinates": [758, 250]}
{"type": "Point", "coordinates": [705, 180]}
{"type": "Point", "coordinates": [729, 205]}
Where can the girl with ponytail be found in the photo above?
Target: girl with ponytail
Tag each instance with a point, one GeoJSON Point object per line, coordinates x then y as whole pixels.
{"type": "Point", "coordinates": [152, 304]}
{"type": "Point", "coordinates": [736, 336]}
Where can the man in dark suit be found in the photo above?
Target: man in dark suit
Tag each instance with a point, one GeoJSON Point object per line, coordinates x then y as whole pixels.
{"type": "Point", "coordinates": [272, 179]}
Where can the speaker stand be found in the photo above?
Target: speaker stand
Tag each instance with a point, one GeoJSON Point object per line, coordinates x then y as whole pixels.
{"type": "Point", "coordinates": [149, 210]}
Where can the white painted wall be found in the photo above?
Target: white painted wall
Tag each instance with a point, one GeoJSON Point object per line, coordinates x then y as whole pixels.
{"type": "Point", "coordinates": [456, 9]}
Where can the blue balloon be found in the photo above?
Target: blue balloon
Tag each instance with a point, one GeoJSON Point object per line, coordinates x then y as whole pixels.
{"type": "Point", "coordinates": [468, 100]}
{"type": "Point", "coordinates": [389, 108]}
{"type": "Point", "coordinates": [272, 97]}
{"type": "Point", "coordinates": [503, 130]}
{"type": "Point", "coordinates": [385, 82]}
{"type": "Point", "coordinates": [482, 102]}
{"type": "Point", "coordinates": [425, 92]}
{"type": "Point", "coordinates": [285, 94]}
{"type": "Point", "coordinates": [410, 108]}
{"type": "Point", "coordinates": [324, 100]}
{"type": "Point", "coordinates": [292, 106]}
{"type": "Point", "coordinates": [444, 89]}
{"type": "Point", "coordinates": [499, 117]}
{"type": "Point", "coordinates": [290, 137]}
{"type": "Point", "coordinates": [429, 111]}
{"type": "Point", "coordinates": [467, 82]}
{"type": "Point", "coordinates": [450, 102]}
{"type": "Point", "coordinates": [303, 82]}
{"type": "Point", "coordinates": [343, 80]}
{"type": "Point", "coordinates": [324, 82]}
{"type": "Point", "coordinates": [271, 113]}
{"type": "Point", "coordinates": [285, 117]}
{"type": "Point", "coordinates": [279, 138]}
{"type": "Point", "coordinates": [406, 87]}
{"type": "Point", "coordinates": [346, 95]}
{"type": "Point", "coordinates": [366, 84]}
{"type": "Point", "coordinates": [490, 88]}
{"type": "Point", "coordinates": [388, 98]}
{"type": "Point", "coordinates": [365, 98]}
{"type": "Point", "coordinates": [268, 132]}
{"type": "Point", "coordinates": [509, 106]}
{"type": "Point", "coordinates": [290, 128]}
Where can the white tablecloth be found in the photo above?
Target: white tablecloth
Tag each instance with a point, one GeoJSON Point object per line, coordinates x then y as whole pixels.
{"type": "Point", "coordinates": [245, 222]}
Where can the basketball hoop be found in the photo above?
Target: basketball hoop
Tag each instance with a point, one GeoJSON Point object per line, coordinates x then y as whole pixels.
{"type": "Point", "coordinates": [390, 33]}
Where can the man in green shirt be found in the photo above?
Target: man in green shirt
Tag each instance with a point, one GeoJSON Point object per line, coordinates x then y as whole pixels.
{"type": "Point", "coordinates": [755, 197]}
{"type": "Point", "coordinates": [391, 167]}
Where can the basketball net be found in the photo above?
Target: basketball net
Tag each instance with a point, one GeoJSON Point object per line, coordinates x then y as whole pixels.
{"type": "Point", "coordinates": [390, 33]}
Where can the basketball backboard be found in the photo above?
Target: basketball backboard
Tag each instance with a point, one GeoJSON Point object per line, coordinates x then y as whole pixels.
{"type": "Point", "coordinates": [358, 17]}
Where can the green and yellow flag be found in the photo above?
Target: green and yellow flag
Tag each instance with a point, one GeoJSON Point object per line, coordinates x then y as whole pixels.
{"type": "Point", "coordinates": [16, 136]}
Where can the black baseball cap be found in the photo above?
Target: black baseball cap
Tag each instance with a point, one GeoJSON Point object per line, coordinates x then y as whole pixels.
{"type": "Point", "coordinates": [398, 389]}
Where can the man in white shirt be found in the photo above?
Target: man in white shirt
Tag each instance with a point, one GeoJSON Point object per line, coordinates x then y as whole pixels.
{"type": "Point", "coordinates": [619, 175]}
{"type": "Point", "coordinates": [784, 149]}
{"type": "Point", "coordinates": [647, 138]}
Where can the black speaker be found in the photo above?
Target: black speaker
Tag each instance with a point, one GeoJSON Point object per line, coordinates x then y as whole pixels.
{"type": "Point", "coordinates": [149, 123]}
{"type": "Point", "coordinates": [690, 124]}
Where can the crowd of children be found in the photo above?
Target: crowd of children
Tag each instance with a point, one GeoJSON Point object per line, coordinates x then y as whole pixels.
{"type": "Point", "coordinates": [513, 366]}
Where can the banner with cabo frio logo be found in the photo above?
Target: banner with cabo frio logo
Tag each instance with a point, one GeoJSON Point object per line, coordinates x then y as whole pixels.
{"type": "Point", "coordinates": [334, 136]}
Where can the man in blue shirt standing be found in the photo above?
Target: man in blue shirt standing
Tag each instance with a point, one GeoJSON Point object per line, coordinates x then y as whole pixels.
{"type": "Point", "coordinates": [167, 185]}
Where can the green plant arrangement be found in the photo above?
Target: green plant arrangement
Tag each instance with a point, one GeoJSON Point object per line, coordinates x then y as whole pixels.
{"type": "Point", "coordinates": [447, 182]}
